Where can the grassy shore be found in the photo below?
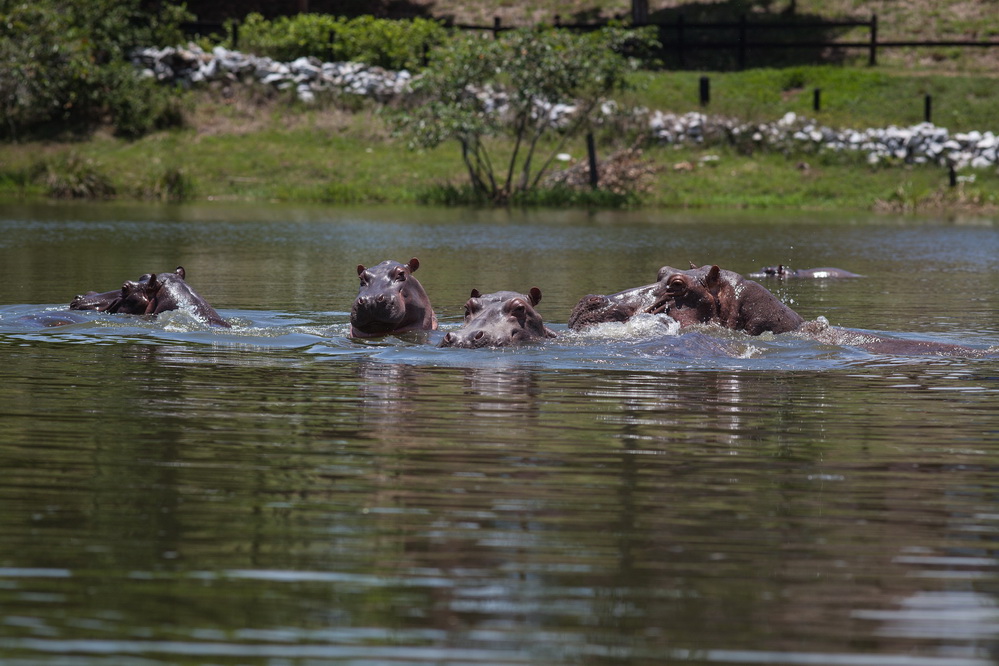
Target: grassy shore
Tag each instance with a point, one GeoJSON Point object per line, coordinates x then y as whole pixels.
{"type": "Point", "coordinates": [264, 147]}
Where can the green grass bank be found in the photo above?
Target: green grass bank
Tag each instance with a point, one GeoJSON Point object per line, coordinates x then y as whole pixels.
{"type": "Point", "coordinates": [260, 146]}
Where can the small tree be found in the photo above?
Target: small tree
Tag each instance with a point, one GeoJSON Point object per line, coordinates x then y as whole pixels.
{"type": "Point", "coordinates": [475, 89]}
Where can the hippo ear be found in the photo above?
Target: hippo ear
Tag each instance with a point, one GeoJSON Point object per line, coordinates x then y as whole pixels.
{"type": "Point", "coordinates": [180, 272]}
{"type": "Point", "coordinates": [692, 265]}
{"type": "Point", "coordinates": [414, 263]}
{"type": "Point", "coordinates": [535, 295]}
{"type": "Point", "coordinates": [152, 284]}
{"type": "Point", "coordinates": [475, 293]}
{"type": "Point", "coordinates": [360, 269]}
{"type": "Point", "coordinates": [713, 277]}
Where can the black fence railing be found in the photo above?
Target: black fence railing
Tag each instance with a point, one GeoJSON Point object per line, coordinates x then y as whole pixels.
{"type": "Point", "coordinates": [681, 38]}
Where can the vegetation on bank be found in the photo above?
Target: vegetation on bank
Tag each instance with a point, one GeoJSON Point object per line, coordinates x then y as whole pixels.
{"type": "Point", "coordinates": [250, 143]}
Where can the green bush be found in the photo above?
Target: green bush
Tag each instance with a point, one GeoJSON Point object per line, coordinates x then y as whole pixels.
{"type": "Point", "coordinates": [65, 64]}
{"type": "Point", "coordinates": [74, 177]}
{"type": "Point", "coordinates": [382, 42]}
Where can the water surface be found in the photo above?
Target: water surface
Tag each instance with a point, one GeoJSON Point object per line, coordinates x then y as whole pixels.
{"type": "Point", "coordinates": [281, 494]}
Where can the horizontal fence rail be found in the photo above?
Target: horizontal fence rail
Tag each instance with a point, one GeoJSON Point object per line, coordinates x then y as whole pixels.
{"type": "Point", "coordinates": [675, 36]}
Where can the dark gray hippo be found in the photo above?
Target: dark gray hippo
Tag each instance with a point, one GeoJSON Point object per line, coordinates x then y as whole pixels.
{"type": "Point", "coordinates": [154, 293]}
{"type": "Point", "coordinates": [101, 302]}
{"type": "Point", "coordinates": [151, 294]}
{"type": "Point", "coordinates": [781, 271]}
{"type": "Point", "coordinates": [390, 300]}
{"type": "Point", "coordinates": [705, 295]}
{"type": "Point", "coordinates": [498, 320]}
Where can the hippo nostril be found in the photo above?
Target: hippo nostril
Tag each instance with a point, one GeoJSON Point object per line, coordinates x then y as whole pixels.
{"type": "Point", "coordinates": [381, 298]}
{"type": "Point", "coordinates": [479, 334]}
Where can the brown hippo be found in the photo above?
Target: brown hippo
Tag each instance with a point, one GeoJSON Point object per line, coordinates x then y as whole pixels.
{"type": "Point", "coordinates": [390, 300]}
{"type": "Point", "coordinates": [499, 319]}
{"type": "Point", "coordinates": [781, 271]}
{"type": "Point", "coordinates": [697, 296]}
{"type": "Point", "coordinates": [712, 295]}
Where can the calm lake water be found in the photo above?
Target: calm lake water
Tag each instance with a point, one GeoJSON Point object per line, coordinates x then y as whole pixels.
{"type": "Point", "coordinates": [280, 494]}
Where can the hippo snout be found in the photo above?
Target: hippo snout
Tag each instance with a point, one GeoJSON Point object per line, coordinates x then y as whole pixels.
{"type": "Point", "coordinates": [474, 341]}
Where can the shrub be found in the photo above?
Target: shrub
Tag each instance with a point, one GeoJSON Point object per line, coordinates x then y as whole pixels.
{"type": "Point", "coordinates": [73, 177]}
{"type": "Point", "coordinates": [64, 63]}
{"type": "Point", "coordinates": [382, 42]}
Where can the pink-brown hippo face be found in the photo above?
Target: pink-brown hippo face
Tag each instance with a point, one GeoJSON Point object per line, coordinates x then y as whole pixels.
{"type": "Point", "coordinates": [711, 295]}
{"type": "Point", "coordinates": [499, 319]}
{"type": "Point", "coordinates": [390, 300]}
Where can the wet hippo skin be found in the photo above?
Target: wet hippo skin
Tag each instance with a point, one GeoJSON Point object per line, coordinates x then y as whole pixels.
{"type": "Point", "coordinates": [499, 319]}
{"type": "Point", "coordinates": [390, 300]}
{"type": "Point", "coordinates": [705, 295]}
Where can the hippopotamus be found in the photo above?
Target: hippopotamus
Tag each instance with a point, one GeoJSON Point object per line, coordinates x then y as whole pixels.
{"type": "Point", "coordinates": [390, 300]}
{"type": "Point", "coordinates": [781, 271]}
{"type": "Point", "coordinates": [151, 294]}
{"type": "Point", "coordinates": [499, 319]}
{"type": "Point", "coordinates": [697, 296]}
{"type": "Point", "coordinates": [101, 302]}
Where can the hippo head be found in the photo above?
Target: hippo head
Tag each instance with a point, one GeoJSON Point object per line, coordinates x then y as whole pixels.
{"type": "Point", "coordinates": [499, 319]}
{"type": "Point", "coordinates": [150, 293]}
{"type": "Point", "coordinates": [711, 295]}
{"type": "Point", "coordinates": [154, 293]}
{"type": "Point", "coordinates": [390, 300]}
{"type": "Point", "coordinates": [101, 302]}
{"type": "Point", "coordinates": [620, 307]}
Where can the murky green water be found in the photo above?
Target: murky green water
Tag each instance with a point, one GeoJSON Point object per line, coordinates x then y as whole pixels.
{"type": "Point", "coordinates": [279, 494]}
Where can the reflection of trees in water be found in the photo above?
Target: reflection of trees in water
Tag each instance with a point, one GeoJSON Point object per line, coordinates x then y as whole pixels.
{"type": "Point", "coordinates": [630, 510]}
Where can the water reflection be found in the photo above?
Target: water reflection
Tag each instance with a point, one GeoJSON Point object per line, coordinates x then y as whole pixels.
{"type": "Point", "coordinates": [279, 493]}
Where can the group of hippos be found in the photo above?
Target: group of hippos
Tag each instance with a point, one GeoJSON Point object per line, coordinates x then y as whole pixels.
{"type": "Point", "coordinates": [390, 300]}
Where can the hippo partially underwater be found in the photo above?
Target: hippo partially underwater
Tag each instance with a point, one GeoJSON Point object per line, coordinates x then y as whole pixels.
{"type": "Point", "coordinates": [781, 271]}
{"type": "Point", "coordinates": [390, 300]}
{"type": "Point", "coordinates": [705, 295]}
{"type": "Point", "coordinates": [499, 319]}
{"type": "Point", "coordinates": [710, 295]}
{"type": "Point", "coordinates": [151, 294]}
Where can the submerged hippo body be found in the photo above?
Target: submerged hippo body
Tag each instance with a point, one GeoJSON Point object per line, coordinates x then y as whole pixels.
{"type": "Point", "coordinates": [498, 320]}
{"type": "Point", "coordinates": [705, 295]}
{"type": "Point", "coordinates": [781, 271]}
{"type": "Point", "coordinates": [390, 300]}
{"type": "Point", "coordinates": [151, 294]}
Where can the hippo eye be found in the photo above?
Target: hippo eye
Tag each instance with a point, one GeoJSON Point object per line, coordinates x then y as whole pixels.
{"type": "Point", "coordinates": [676, 285]}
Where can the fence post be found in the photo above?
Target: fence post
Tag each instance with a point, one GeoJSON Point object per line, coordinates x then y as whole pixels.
{"type": "Point", "coordinates": [496, 27]}
{"type": "Point", "coordinates": [928, 108]}
{"type": "Point", "coordinates": [591, 150]}
{"type": "Point", "coordinates": [705, 90]}
{"type": "Point", "coordinates": [872, 58]}
{"type": "Point", "coordinates": [742, 41]}
{"type": "Point", "coordinates": [817, 99]}
{"type": "Point", "coordinates": [235, 35]}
